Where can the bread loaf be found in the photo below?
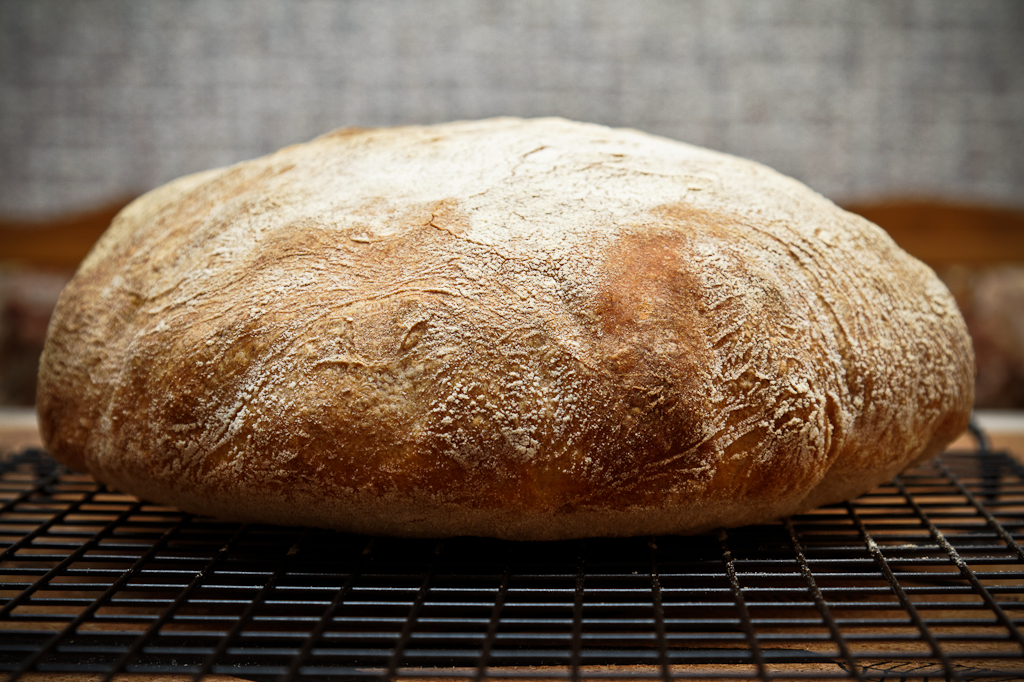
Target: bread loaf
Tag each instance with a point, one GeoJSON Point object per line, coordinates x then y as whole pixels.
{"type": "Point", "coordinates": [527, 329]}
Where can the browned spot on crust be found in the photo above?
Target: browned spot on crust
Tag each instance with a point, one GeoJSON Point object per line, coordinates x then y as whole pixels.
{"type": "Point", "coordinates": [688, 215]}
{"type": "Point", "coordinates": [347, 132]}
{"type": "Point", "coordinates": [653, 343]}
{"type": "Point", "coordinates": [652, 299]}
{"type": "Point", "coordinates": [648, 289]}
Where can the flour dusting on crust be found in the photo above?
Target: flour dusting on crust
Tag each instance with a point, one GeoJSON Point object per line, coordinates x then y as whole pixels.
{"type": "Point", "coordinates": [519, 328]}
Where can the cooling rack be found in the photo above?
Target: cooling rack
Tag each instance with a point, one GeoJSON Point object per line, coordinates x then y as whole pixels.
{"type": "Point", "coordinates": [923, 579]}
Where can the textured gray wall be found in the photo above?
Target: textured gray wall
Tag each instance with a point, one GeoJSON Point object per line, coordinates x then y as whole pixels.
{"type": "Point", "coordinates": [861, 99]}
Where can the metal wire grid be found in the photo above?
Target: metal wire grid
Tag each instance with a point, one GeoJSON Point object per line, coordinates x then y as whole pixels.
{"type": "Point", "coordinates": [922, 579]}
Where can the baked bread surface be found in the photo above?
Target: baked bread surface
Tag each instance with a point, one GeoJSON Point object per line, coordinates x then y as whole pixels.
{"type": "Point", "coordinates": [528, 329]}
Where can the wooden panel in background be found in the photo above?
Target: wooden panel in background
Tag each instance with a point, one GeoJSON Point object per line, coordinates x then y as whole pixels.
{"type": "Point", "coordinates": [57, 243]}
{"type": "Point", "coordinates": [946, 234]}
{"type": "Point", "coordinates": [937, 233]}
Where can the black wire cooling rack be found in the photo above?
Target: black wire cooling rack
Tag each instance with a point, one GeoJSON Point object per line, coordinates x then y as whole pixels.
{"type": "Point", "coordinates": [922, 579]}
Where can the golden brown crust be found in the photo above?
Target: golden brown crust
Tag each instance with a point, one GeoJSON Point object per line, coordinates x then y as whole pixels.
{"type": "Point", "coordinates": [523, 329]}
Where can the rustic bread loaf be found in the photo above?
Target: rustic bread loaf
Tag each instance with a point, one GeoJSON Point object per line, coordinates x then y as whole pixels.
{"type": "Point", "coordinates": [524, 329]}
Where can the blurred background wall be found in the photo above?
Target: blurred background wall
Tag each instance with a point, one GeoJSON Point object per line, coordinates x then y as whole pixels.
{"type": "Point", "coordinates": [860, 99]}
{"type": "Point", "coordinates": [869, 102]}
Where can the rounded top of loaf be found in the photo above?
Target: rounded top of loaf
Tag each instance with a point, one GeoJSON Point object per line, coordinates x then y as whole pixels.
{"type": "Point", "coordinates": [542, 183]}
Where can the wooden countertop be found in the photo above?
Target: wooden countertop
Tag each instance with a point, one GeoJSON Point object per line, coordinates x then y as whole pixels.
{"type": "Point", "coordinates": [18, 429]}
